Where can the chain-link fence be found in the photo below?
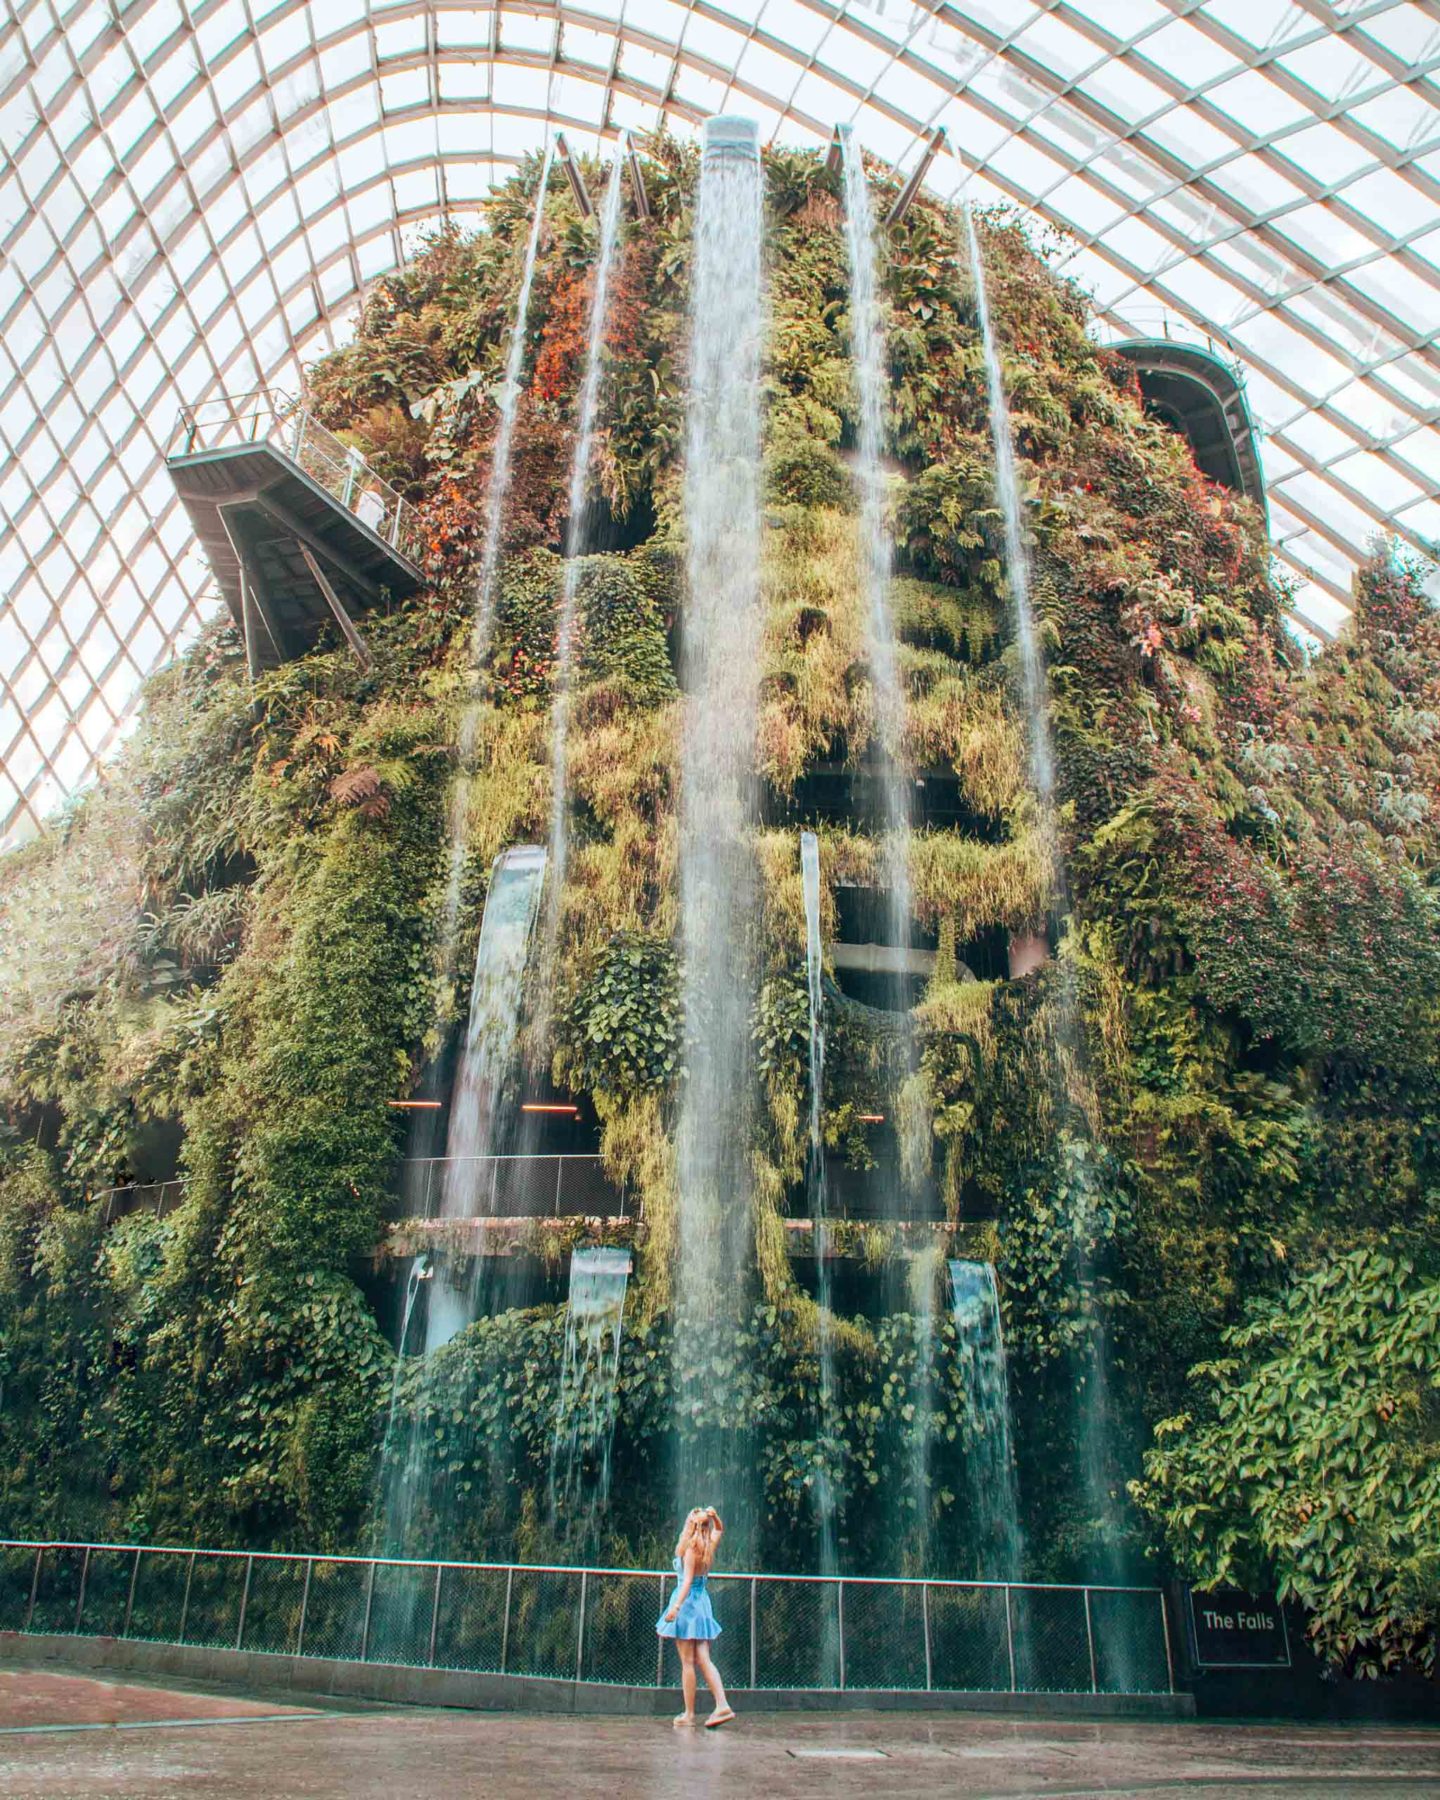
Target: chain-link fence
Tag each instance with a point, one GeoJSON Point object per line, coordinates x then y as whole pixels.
{"type": "Point", "coordinates": [780, 1631]}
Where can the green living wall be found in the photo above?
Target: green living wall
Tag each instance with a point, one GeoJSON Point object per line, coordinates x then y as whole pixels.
{"type": "Point", "coordinates": [1226, 1212]}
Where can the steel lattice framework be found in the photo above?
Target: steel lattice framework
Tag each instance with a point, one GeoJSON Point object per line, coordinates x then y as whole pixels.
{"type": "Point", "coordinates": [194, 192]}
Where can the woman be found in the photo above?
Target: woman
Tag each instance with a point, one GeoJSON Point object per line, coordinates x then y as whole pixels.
{"type": "Point", "coordinates": [690, 1619]}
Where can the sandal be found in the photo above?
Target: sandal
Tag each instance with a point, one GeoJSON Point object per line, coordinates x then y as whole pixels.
{"type": "Point", "coordinates": [720, 1718]}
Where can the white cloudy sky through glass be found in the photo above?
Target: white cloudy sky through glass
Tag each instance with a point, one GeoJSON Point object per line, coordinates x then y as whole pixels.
{"type": "Point", "coordinates": [194, 192]}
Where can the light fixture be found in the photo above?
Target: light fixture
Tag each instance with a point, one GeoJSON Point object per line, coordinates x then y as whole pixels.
{"type": "Point", "coordinates": [871, 1118]}
{"type": "Point", "coordinates": [906, 198]}
{"type": "Point", "coordinates": [415, 1105]}
{"type": "Point", "coordinates": [573, 176]}
{"type": "Point", "coordinates": [545, 1106]}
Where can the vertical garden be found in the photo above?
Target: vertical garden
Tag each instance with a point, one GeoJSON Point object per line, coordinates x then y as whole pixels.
{"type": "Point", "coordinates": [1212, 1210]}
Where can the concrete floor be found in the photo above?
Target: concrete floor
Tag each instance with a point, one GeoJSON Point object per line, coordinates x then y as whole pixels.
{"type": "Point", "coordinates": [82, 1739]}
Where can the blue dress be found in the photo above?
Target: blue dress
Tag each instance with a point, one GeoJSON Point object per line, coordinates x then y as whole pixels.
{"type": "Point", "coordinates": [696, 1618]}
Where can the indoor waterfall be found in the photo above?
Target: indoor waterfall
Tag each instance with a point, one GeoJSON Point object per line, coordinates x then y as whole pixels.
{"type": "Point", "coordinates": [422, 1136]}
{"type": "Point", "coordinates": [499, 487]}
{"type": "Point", "coordinates": [585, 1412]}
{"type": "Point", "coordinates": [720, 659]}
{"type": "Point", "coordinates": [575, 542]}
{"type": "Point", "coordinates": [990, 1458]}
{"type": "Point", "coordinates": [455, 1283]}
{"type": "Point", "coordinates": [824, 1300]}
{"type": "Point", "coordinates": [1094, 1422]}
{"type": "Point", "coordinates": [1017, 557]}
{"type": "Point", "coordinates": [867, 335]}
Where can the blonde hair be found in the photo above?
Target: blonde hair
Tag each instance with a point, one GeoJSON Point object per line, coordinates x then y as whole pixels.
{"type": "Point", "coordinates": [700, 1533]}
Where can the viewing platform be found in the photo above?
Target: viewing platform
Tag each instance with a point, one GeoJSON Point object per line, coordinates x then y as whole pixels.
{"type": "Point", "coordinates": [299, 530]}
{"type": "Point", "coordinates": [1200, 393]}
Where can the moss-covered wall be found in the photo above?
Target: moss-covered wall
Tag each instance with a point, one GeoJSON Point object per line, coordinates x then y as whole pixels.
{"type": "Point", "coordinates": [233, 942]}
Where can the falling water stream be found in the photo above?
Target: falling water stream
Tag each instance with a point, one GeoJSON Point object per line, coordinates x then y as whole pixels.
{"type": "Point", "coordinates": [448, 935]}
{"type": "Point", "coordinates": [720, 659]}
{"type": "Point", "coordinates": [575, 540]}
{"type": "Point", "coordinates": [500, 459]}
{"type": "Point", "coordinates": [867, 338]}
{"type": "Point", "coordinates": [456, 1282]}
{"type": "Point", "coordinates": [990, 1462]}
{"type": "Point", "coordinates": [867, 331]}
{"type": "Point", "coordinates": [1094, 1421]}
{"type": "Point", "coordinates": [585, 1415]}
{"type": "Point", "coordinates": [819, 1207]}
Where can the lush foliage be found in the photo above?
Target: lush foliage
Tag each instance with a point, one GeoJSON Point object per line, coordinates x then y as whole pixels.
{"type": "Point", "coordinates": [1211, 1203]}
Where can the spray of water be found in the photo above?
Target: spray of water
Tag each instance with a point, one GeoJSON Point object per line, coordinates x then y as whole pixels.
{"type": "Point", "coordinates": [575, 539]}
{"type": "Point", "coordinates": [720, 657]}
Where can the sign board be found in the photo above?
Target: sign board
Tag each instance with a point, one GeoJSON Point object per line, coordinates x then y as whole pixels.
{"type": "Point", "coordinates": [1231, 1630]}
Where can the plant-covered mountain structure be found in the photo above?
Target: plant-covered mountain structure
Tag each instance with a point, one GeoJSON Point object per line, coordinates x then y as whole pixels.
{"type": "Point", "coordinates": [1165, 1056]}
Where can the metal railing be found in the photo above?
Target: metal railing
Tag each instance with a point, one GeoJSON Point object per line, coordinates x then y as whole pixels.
{"type": "Point", "coordinates": [593, 1624]}
{"type": "Point", "coordinates": [511, 1187]}
{"type": "Point", "coordinates": [268, 416]}
{"type": "Point", "coordinates": [157, 1197]}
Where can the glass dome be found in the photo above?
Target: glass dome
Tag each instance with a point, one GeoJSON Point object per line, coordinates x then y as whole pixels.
{"type": "Point", "coordinates": [193, 193]}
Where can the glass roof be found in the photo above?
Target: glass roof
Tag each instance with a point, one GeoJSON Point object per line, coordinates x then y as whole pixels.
{"type": "Point", "coordinates": [194, 192]}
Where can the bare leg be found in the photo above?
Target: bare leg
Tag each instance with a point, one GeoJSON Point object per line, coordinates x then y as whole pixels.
{"type": "Point", "coordinates": [686, 1647]}
{"type": "Point", "coordinates": [723, 1709]}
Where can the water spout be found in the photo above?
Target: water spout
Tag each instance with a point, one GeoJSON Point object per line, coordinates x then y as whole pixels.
{"type": "Point", "coordinates": [720, 657]}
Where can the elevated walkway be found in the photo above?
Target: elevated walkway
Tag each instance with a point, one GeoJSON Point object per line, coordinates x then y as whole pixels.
{"type": "Point", "coordinates": [299, 531]}
{"type": "Point", "coordinates": [1199, 393]}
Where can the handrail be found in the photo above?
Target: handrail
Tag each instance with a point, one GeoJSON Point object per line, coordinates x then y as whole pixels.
{"type": "Point", "coordinates": [502, 1568]}
{"type": "Point", "coordinates": [1055, 1640]}
{"type": "Point", "coordinates": [270, 416]}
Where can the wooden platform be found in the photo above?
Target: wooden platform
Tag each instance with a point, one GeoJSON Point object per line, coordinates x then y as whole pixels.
{"type": "Point", "coordinates": [290, 557]}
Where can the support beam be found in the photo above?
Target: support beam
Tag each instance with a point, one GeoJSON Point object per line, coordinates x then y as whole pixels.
{"type": "Point", "coordinates": [573, 175]}
{"type": "Point", "coordinates": [255, 599]}
{"type": "Point", "coordinates": [342, 618]}
{"type": "Point", "coordinates": [637, 181]}
{"type": "Point", "coordinates": [906, 197]}
{"type": "Point", "coordinates": [296, 528]}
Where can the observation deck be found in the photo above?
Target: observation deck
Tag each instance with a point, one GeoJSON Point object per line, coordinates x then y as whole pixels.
{"type": "Point", "coordinates": [1198, 391]}
{"type": "Point", "coordinates": [299, 530]}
